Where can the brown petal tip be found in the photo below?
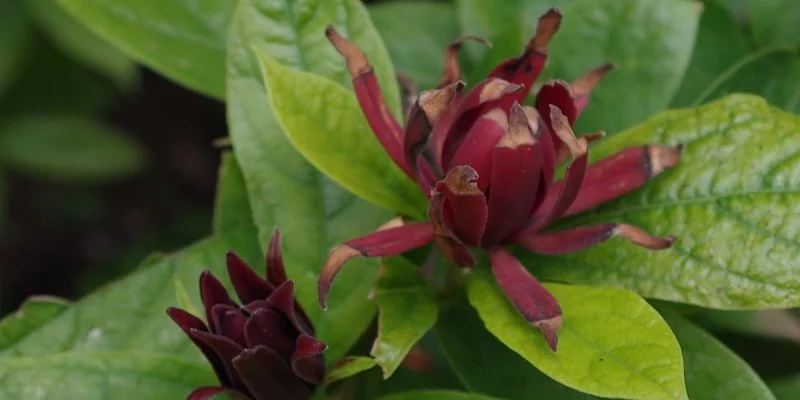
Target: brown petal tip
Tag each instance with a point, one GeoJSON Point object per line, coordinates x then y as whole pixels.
{"type": "Point", "coordinates": [434, 102]}
{"type": "Point", "coordinates": [577, 146]}
{"type": "Point", "coordinates": [662, 157]}
{"type": "Point", "coordinates": [336, 260]}
{"type": "Point", "coordinates": [585, 84]}
{"type": "Point", "coordinates": [357, 62]}
{"type": "Point", "coordinates": [640, 237]}
{"type": "Point", "coordinates": [496, 88]}
{"type": "Point", "coordinates": [520, 129]}
{"type": "Point", "coordinates": [455, 45]}
{"type": "Point", "coordinates": [546, 28]}
{"type": "Point", "coordinates": [462, 179]}
{"type": "Point", "coordinates": [549, 328]}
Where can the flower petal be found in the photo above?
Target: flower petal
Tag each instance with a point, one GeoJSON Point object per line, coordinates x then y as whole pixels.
{"type": "Point", "coordinates": [452, 70]}
{"type": "Point", "coordinates": [408, 92]}
{"type": "Point", "coordinates": [226, 349]}
{"type": "Point", "coordinates": [229, 322]}
{"type": "Point", "coordinates": [188, 323]}
{"type": "Point", "coordinates": [247, 284]}
{"type": "Point", "coordinates": [212, 293]}
{"type": "Point", "coordinates": [270, 328]}
{"type": "Point", "coordinates": [556, 93]}
{"type": "Point", "coordinates": [368, 92]}
{"type": "Point", "coordinates": [426, 110]}
{"type": "Point", "coordinates": [465, 204]}
{"type": "Point", "coordinates": [307, 361]}
{"type": "Point", "coordinates": [283, 300]}
{"type": "Point", "coordinates": [621, 173]}
{"type": "Point", "coordinates": [441, 129]}
{"type": "Point", "coordinates": [268, 376]}
{"type": "Point", "coordinates": [575, 239]}
{"type": "Point", "coordinates": [583, 86]}
{"type": "Point", "coordinates": [443, 237]}
{"type": "Point", "coordinates": [481, 98]}
{"type": "Point", "coordinates": [476, 149]}
{"type": "Point", "coordinates": [525, 69]}
{"type": "Point", "coordinates": [276, 271]}
{"type": "Point", "coordinates": [551, 210]}
{"type": "Point", "coordinates": [382, 243]}
{"type": "Point", "coordinates": [531, 299]}
{"type": "Point", "coordinates": [516, 171]}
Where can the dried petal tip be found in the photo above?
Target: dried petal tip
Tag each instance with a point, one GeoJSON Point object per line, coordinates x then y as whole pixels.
{"type": "Point", "coordinates": [462, 179]}
{"type": "Point", "coordinates": [340, 255]}
{"type": "Point", "coordinates": [638, 236]}
{"type": "Point", "coordinates": [662, 157]}
{"type": "Point", "coordinates": [496, 88]}
{"type": "Point", "coordinates": [577, 146]}
{"type": "Point", "coordinates": [549, 328]}
{"type": "Point", "coordinates": [434, 102]}
{"type": "Point", "coordinates": [452, 70]}
{"type": "Point", "coordinates": [520, 129]}
{"type": "Point", "coordinates": [546, 27]}
{"type": "Point", "coordinates": [357, 62]}
{"type": "Point", "coordinates": [584, 85]}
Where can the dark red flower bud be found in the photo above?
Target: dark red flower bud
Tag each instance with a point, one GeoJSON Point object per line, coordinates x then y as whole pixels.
{"type": "Point", "coordinates": [263, 349]}
{"type": "Point", "coordinates": [487, 163]}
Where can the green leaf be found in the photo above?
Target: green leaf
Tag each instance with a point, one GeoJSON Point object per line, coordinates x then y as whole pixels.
{"type": "Point", "coordinates": [15, 38]}
{"type": "Point", "coordinates": [70, 87]}
{"type": "Point", "coordinates": [436, 395]}
{"type": "Point", "coordinates": [658, 37]}
{"type": "Point", "coordinates": [485, 365]}
{"type": "Point", "coordinates": [75, 40]}
{"type": "Point", "coordinates": [69, 148]}
{"type": "Point", "coordinates": [231, 208]}
{"type": "Point", "coordinates": [709, 59]}
{"type": "Point", "coordinates": [35, 312]}
{"type": "Point", "coordinates": [348, 367]}
{"type": "Point", "coordinates": [313, 213]}
{"type": "Point", "coordinates": [324, 122]}
{"type": "Point", "coordinates": [712, 370]}
{"type": "Point", "coordinates": [612, 343]}
{"type": "Point", "coordinates": [774, 22]}
{"type": "Point", "coordinates": [407, 310]}
{"type": "Point", "coordinates": [787, 388]}
{"type": "Point", "coordinates": [183, 40]}
{"type": "Point", "coordinates": [731, 201]}
{"type": "Point", "coordinates": [99, 376]}
{"type": "Point", "coordinates": [773, 74]}
{"type": "Point", "coordinates": [417, 33]}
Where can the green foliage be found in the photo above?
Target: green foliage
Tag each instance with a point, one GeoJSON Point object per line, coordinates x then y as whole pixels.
{"type": "Point", "coordinates": [14, 41]}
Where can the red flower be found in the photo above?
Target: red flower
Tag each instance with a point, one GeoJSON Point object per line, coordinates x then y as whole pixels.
{"type": "Point", "coordinates": [264, 349]}
{"type": "Point", "coordinates": [487, 164]}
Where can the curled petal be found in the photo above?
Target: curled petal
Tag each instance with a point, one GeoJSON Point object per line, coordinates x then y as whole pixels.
{"type": "Point", "coordinates": [551, 210]}
{"type": "Point", "coordinates": [229, 322]}
{"type": "Point", "coordinates": [476, 149]}
{"type": "Point", "coordinates": [276, 271]}
{"type": "Point", "coordinates": [556, 93]}
{"type": "Point", "coordinates": [516, 171]}
{"type": "Point", "coordinates": [583, 86]}
{"type": "Point", "coordinates": [531, 299]}
{"type": "Point", "coordinates": [226, 349]}
{"type": "Point", "coordinates": [443, 237]}
{"type": "Point", "coordinates": [575, 239]}
{"type": "Point", "coordinates": [247, 284]}
{"type": "Point", "coordinates": [368, 92]}
{"type": "Point", "coordinates": [383, 243]}
{"type": "Point", "coordinates": [282, 299]}
{"type": "Point", "coordinates": [465, 204]}
{"type": "Point", "coordinates": [268, 327]}
{"type": "Point", "coordinates": [188, 323]}
{"type": "Point", "coordinates": [212, 293]}
{"type": "Point", "coordinates": [621, 173]}
{"type": "Point", "coordinates": [268, 376]}
{"type": "Point", "coordinates": [427, 109]}
{"type": "Point", "coordinates": [452, 70]}
{"type": "Point", "coordinates": [439, 135]}
{"type": "Point", "coordinates": [307, 361]}
{"type": "Point", "coordinates": [524, 69]}
{"type": "Point", "coordinates": [481, 98]}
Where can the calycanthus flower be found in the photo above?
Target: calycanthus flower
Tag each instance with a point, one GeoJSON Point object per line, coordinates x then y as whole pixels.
{"type": "Point", "coordinates": [263, 349]}
{"type": "Point", "coordinates": [487, 164]}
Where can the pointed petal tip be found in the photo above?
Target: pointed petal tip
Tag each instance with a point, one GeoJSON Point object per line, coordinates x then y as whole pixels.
{"type": "Point", "coordinates": [357, 63]}
{"type": "Point", "coordinates": [663, 157]}
{"type": "Point", "coordinates": [546, 27]}
{"type": "Point", "coordinates": [549, 328]}
{"type": "Point", "coordinates": [586, 83]}
{"type": "Point", "coordinates": [333, 265]}
{"type": "Point", "coordinates": [521, 130]}
{"type": "Point", "coordinates": [577, 146]}
{"type": "Point", "coordinates": [457, 42]}
{"type": "Point", "coordinates": [640, 237]}
{"type": "Point", "coordinates": [496, 88]}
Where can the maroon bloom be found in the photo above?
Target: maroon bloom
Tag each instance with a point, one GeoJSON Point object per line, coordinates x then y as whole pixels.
{"type": "Point", "coordinates": [263, 349]}
{"type": "Point", "coordinates": [487, 164]}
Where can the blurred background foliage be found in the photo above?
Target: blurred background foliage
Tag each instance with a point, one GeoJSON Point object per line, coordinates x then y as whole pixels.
{"type": "Point", "coordinates": [103, 161]}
